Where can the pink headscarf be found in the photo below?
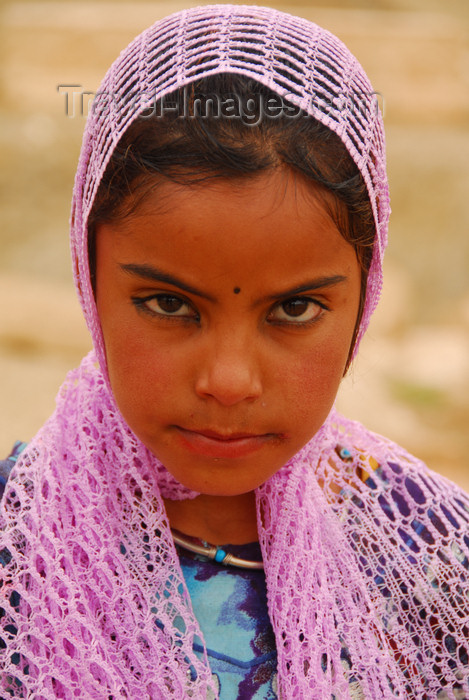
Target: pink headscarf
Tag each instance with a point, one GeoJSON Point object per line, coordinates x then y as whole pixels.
{"type": "Point", "coordinates": [365, 551]}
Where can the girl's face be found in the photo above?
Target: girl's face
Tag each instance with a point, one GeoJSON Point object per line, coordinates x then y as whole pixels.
{"type": "Point", "coordinates": [228, 310]}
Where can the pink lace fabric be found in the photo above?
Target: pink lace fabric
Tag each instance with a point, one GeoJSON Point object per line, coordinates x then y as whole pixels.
{"type": "Point", "coordinates": [366, 551]}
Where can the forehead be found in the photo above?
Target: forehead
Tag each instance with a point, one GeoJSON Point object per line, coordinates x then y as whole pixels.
{"type": "Point", "coordinates": [277, 222]}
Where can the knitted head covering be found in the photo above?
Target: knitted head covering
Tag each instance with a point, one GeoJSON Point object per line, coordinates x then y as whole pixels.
{"type": "Point", "coordinates": [364, 549]}
{"type": "Point", "coordinates": [299, 61]}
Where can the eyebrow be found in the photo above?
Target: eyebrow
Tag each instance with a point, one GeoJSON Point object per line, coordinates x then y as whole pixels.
{"type": "Point", "coordinates": [148, 272]}
{"type": "Point", "coordinates": [310, 286]}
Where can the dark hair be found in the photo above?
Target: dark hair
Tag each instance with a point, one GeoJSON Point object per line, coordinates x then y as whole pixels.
{"type": "Point", "coordinates": [229, 126]}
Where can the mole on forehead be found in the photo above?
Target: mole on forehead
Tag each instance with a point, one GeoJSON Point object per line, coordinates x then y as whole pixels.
{"type": "Point", "coordinates": [237, 290]}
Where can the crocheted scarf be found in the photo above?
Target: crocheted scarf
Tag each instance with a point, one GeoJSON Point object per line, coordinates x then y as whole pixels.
{"type": "Point", "coordinates": [365, 550]}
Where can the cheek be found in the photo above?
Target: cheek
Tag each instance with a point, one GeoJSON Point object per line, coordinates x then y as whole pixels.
{"type": "Point", "coordinates": [141, 375]}
{"type": "Point", "coordinates": [312, 381]}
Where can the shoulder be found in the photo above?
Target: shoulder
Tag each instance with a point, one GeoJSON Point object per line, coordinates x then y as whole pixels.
{"type": "Point", "coordinates": [425, 509]}
{"type": "Point", "coordinates": [391, 498]}
{"type": "Point", "coordinates": [6, 465]}
{"type": "Point", "coordinates": [385, 466]}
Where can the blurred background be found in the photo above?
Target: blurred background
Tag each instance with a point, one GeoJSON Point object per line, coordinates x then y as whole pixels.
{"type": "Point", "coordinates": [411, 380]}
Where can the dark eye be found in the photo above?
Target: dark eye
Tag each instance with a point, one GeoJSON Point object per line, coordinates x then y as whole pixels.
{"type": "Point", "coordinates": [296, 310]}
{"type": "Point", "coordinates": [167, 305]}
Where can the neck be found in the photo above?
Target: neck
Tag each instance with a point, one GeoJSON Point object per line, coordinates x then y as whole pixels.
{"type": "Point", "coordinates": [216, 519]}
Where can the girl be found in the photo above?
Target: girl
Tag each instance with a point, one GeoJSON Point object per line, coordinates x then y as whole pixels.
{"type": "Point", "coordinates": [228, 226]}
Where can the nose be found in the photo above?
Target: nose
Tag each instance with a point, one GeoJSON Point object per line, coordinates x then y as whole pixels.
{"type": "Point", "coordinates": [229, 371]}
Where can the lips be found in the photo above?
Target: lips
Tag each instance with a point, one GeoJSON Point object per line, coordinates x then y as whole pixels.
{"type": "Point", "coordinates": [209, 443]}
{"type": "Point", "coordinates": [224, 437]}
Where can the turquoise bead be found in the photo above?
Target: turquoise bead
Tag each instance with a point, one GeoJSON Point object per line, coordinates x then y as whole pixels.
{"type": "Point", "coordinates": [220, 555]}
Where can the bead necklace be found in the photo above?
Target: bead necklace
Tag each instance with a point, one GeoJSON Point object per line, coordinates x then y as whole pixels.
{"type": "Point", "coordinates": [211, 551]}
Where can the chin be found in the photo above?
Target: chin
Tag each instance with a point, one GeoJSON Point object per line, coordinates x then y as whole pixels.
{"type": "Point", "coordinates": [221, 485]}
